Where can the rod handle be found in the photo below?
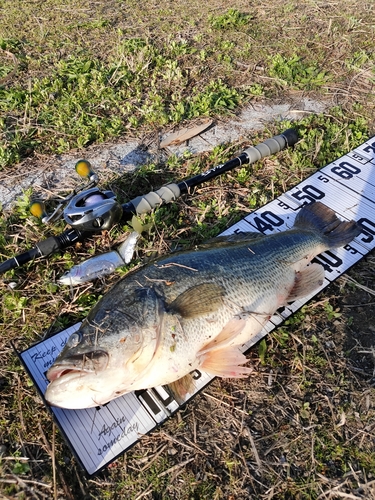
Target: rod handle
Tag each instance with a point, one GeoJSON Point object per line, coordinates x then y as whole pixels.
{"type": "Point", "coordinates": [147, 202]}
{"type": "Point", "coordinates": [271, 146]}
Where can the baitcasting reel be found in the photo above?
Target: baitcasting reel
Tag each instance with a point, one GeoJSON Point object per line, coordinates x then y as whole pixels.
{"type": "Point", "coordinates": [87, 208]}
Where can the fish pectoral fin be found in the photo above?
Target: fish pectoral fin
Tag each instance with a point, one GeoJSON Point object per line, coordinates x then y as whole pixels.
{"type": "Point", "coordinates": [181, 387]}
{"type": "Point", "coordinates": [225, 363]}
{"type": "Point", "coordinates": [307, 281]}
{"type": "Point", "coordinates": [201, 299]}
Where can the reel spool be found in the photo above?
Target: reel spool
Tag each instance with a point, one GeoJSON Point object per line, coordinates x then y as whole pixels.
{"type": "Point", "coordinates": [93, 210]}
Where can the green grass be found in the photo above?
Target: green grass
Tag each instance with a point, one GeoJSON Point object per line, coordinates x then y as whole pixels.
{"type": "Point", "coordinates": [295, 73]}
{"type": "Point", "coordinates": [107, 71]}
{"type": "Point", "coordinates": [85, 100]}
{"type": "Point", "coordinates": [84, 76]}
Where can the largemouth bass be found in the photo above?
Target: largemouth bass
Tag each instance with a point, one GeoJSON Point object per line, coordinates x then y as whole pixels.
{"type": "Point", "coordinates": [192, 310]}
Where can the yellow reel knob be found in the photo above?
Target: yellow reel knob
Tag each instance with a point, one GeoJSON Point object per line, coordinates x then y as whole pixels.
{"type": "Point", "coordinates": [83, 168]}
{"type": "Point", "coordinates": [38, 209]}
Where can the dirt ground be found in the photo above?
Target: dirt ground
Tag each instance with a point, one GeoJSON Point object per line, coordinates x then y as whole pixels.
{"type": "Point", "coordinates": [302, 426]}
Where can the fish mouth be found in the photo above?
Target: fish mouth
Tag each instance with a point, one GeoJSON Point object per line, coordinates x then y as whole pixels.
{"type": "Point", "coordinates": [56, 372]}
{"type": "Point", "coordinates": [67, 389]}
{"type": "Point", "coordinates": [78, 364]}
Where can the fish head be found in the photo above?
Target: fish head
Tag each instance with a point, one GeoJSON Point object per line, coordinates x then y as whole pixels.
{"type": "Point", "coordinates": [91, 269]}
{"type": "Point", "coordinates": [70, 277]}
{"type": "Point", "coordinates": [109, 352]}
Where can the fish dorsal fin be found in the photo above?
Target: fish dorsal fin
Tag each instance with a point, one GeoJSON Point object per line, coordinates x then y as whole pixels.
{"type": "Point", "coordinates": [181, 387]}
{"type": "Point", "coordinates": [307, 281]}
{"type": "Point", "coordinates": [233, 238]}
{"type": "Point", "coordinates": [201, 299]}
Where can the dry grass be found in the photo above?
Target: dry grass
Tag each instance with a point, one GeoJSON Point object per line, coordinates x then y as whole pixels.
{"type": "Point", "coordinates": [303, 426]}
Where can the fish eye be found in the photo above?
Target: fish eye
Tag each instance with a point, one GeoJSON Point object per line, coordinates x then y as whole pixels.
{"type": "Point", "coordinates": [74, 339]}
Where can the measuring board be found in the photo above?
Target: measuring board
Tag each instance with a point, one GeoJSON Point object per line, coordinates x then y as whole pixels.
{"type": "Point", "coordinates": [97, 436]}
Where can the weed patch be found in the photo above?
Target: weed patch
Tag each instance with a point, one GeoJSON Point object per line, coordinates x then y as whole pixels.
{"type": "Point", "coordinates": [231, 19]}
{"type": "Point", "coordinates": [85, 101]}
{"type": "Point", "coordinates": [297, 73]}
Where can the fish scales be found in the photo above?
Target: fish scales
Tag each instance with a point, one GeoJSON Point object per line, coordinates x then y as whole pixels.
{"type": "Point", "coordinates": [247, 272]}
{"type": "Point", "coordinates": [192, 310]}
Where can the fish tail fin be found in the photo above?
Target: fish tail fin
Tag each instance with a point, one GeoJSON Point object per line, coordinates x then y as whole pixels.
{"type": "Point", "coordinates": [323, 220]}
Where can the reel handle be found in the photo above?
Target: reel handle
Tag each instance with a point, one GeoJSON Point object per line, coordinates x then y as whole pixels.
{"type": "Point", "coordinates": [84, 170]}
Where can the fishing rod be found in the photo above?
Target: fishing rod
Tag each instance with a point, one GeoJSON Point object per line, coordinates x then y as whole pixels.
{"type": "Point", "coordinates": [90, 210]}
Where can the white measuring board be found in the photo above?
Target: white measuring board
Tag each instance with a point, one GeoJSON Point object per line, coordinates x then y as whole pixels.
{"type": "Point", "coordinates": [97, 436]}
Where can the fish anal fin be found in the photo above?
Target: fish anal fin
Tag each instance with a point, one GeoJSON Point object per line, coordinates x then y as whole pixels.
{"type": "Point", "coordinates": [198, 300]}
{"type": "Point", "coordinates": [181, 387]}
{"type": "Point", "coordinates": [307, 281]}
{"type": "Point", "coordinates": [225, 363]}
